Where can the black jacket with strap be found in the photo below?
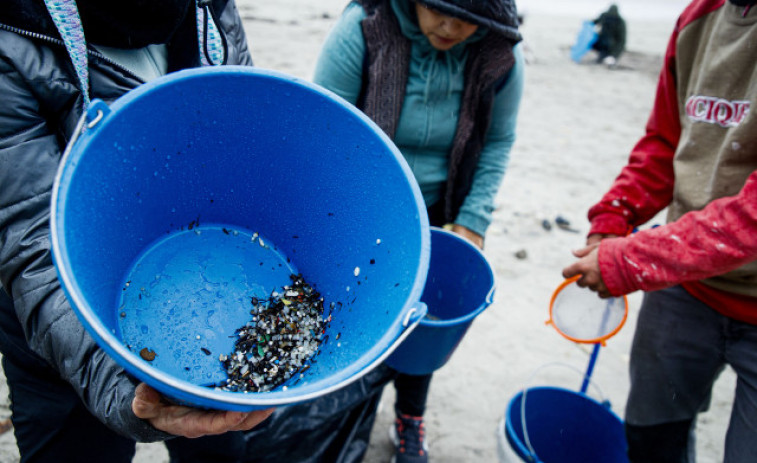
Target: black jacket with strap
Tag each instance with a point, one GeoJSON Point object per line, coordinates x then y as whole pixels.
{"type": "Point", "coordinates": [41, 104]}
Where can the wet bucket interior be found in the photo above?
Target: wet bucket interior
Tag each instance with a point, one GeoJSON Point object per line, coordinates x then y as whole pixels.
{"type": "Point", "coordinates": [564, 427]}
{"type": "Point", "coordinates": [195, 193]}
{"type": "Point", "coordinates": [460, 286]}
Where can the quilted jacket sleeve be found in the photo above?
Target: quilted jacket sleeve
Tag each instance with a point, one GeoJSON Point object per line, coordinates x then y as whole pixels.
{"type": "Point", "coordinates": [233, 27]}
{"type": "Point", "coordinates": [29, 156]}
{"type": "Point", "coordinates": [39, 105]}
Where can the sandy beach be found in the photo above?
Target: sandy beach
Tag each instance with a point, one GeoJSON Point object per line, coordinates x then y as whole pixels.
{"type": "Point", "coordinates": [576, 127]}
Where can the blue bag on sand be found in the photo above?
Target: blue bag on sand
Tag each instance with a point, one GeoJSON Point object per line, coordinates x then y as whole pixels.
{"type": "Point", "coordinates": [586, 38]}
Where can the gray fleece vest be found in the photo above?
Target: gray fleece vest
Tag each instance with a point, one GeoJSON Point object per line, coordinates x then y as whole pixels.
{"type": "Point", "coordinates": [385, 79]}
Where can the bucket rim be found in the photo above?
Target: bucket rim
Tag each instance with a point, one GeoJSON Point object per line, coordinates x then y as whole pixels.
{"type": "Point", "coordinates": [488, 299]}
{"type": "Point", "coordinates": [198, 395]}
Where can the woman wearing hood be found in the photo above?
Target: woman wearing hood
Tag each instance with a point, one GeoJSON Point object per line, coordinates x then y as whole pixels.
{"type": "Point", "coordinates": [443, 78]}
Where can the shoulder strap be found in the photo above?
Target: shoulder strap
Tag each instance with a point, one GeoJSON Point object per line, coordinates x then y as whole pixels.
{"type": "Point", "coordinates": [65, 15]}
{"type": "Point", "coordinates": [212, 40]}
{"type": "Point", "coordinates": [66, 18]}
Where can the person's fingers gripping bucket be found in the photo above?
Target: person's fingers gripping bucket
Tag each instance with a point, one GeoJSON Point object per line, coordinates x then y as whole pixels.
{"type": "Point", "coordinates": [193, 195]}
{"type": "Point", "coordinates": [460, 285]}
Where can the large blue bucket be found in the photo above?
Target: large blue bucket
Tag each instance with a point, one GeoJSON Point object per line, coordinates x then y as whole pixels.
{"type": "Point", "coordinates": [460, 285]}
{"type": "Point", "coordinates": [563, 427]}
{"type": "Point", "coordinates": [196, 193]}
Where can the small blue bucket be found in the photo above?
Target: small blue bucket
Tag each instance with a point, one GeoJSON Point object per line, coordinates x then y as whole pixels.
{"type": "Point", "coordinates": [564, 426]}
{"type": "Point", "coordinates": [586, 37]}
{"type": "Point", "coordinates": [193, 194]}
{"type": "Point", "coordinates": [459, 286]}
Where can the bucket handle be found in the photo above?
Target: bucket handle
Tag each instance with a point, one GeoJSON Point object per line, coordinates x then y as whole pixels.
{"type": "Point", "coordinates": [97, 110]}
{"type": "Point", "coordinates": [531, 452]}
{"type": "Point", "coordinates": [412, 318]}
{"type": "Point", "coordinates": [490, 296]}
{"type": "Point", "coordinates": [409, 316]}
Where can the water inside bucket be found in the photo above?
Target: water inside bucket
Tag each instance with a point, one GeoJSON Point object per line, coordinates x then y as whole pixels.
{"type": "Point", "coordinates": [189, 292]}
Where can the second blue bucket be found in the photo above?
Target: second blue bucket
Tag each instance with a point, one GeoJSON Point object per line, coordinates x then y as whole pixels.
{"type": "Point", "coordinates": [563, 426]}
{"type": "Point", "coordinates": [459, 286]}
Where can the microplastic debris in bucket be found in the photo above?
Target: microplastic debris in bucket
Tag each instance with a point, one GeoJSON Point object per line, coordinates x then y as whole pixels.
{"type": "Point", "coordinates": [199, 192]}
{"type": "Point", "coordinates": [205, 270]}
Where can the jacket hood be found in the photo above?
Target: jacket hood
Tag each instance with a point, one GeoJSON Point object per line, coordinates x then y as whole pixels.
{"type": "Point", "coordinates": [406, 17]}
{"type": "Point", "coordinates": [121, 24]}
{"type": "Point", "coordinates": [131, 23]}
{"type": "Point", "coordinates": [499, 16]}
{"type": "Point", "coordinates": [28, 15]}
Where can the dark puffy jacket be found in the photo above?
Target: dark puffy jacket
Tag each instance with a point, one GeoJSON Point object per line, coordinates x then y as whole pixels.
{"type": "Point", "coordinates": [41, 104]}
{"type": "Point", "coordinates": [612, 33]}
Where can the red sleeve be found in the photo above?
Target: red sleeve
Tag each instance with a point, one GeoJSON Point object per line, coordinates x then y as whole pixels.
{"type": "Point", "coordinates": [701, 244]}
{"type": "Point", "coordinates": [645, 185]}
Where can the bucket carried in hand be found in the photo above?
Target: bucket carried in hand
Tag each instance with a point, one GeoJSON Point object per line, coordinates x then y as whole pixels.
{"type": "Point", "coordinates": [196, 194]}
{"type": "Point", "coordinates": [460, 285]}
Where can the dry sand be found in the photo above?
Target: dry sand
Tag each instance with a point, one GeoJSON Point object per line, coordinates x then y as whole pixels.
{"type": "Point", "coordinates": [577, 124]}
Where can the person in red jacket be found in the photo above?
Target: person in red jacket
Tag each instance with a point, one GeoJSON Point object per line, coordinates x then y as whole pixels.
{"type": "Point", "coordinates": [698, 159]}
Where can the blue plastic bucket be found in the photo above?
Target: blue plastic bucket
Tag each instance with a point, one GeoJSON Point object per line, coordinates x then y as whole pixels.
{"type": "Point", "coordinates": [586, 37]}
{"type": "Point", "coordinates": [194, 193]}
{"type": "Point", "coordinates": [459, 286]}
{"type": "Point", "coordinates": [564, 427]}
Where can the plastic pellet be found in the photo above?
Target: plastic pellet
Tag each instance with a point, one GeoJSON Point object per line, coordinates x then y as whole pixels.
{"type": "Point", "coordinates": [285, 333]}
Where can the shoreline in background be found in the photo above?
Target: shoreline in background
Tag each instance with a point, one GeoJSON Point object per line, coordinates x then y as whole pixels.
{"type": "Point", "coordinates": [642, 10]}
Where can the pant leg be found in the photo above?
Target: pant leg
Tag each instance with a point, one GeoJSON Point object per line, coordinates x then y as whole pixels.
{"type": "Point", "coordinates": [676, 355]}
{"type": "Point", "coordinates": [666, 442]}
{"type": "Point", "coordinates": [412, 392]}
{"type": "Point", "coordinates": [741, 354]}
{"type": "Point", "coordinates": [52, 425]}
{"type": "Point", "coordinates": [334, 428]}
{"type": "Point", "coordinates": [230, 447]}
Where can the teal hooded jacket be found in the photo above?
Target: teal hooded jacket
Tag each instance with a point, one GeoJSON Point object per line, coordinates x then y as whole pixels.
{"type": "Point", "coordinates": [428, 119]}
